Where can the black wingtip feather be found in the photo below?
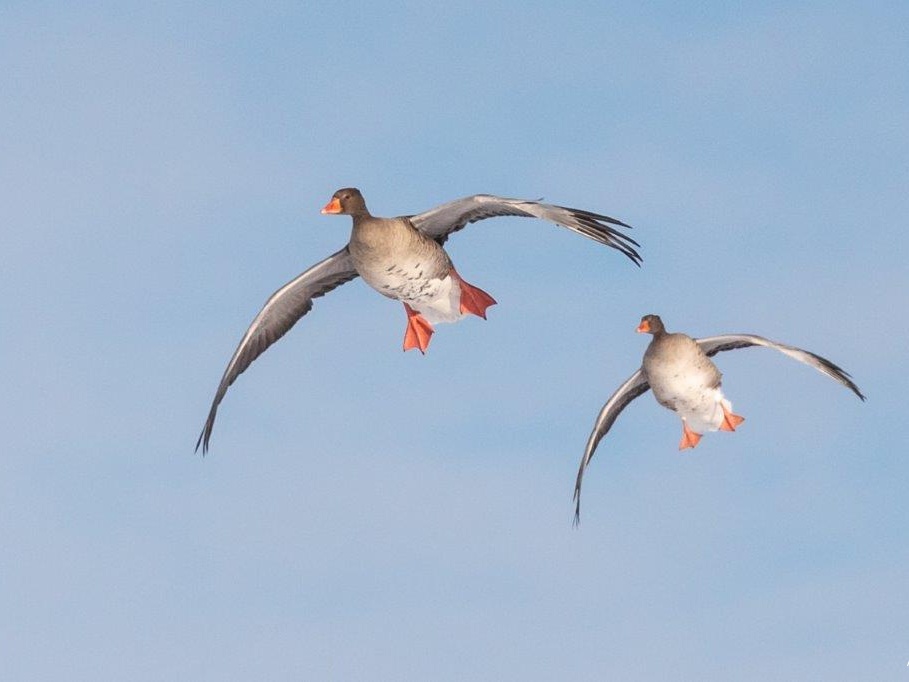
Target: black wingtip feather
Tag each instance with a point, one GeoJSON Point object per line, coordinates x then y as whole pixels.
{"type": "Point", "coordinates": [601, 218]}
{"type": "Point", "coordinates": [845, 376]}
{"type": "Point", "coordinates": [577, 508]}
{"type": "Point", "coordinates": [592, 225]}
{"type": "Point", "coordinates": [205, 436]}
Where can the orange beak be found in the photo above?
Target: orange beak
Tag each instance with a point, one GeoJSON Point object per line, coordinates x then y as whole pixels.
{"type": "Point", "coordinates": [333, 206]}
{"type": "Point", "coordinates": [644, 327]}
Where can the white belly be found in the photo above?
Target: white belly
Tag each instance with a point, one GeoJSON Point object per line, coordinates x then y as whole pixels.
{"type": "Point", "coordinates": [437, 299]}
{"type": "Point", "coordinates": [691, 396]}
{"type": "Point", "coordinates": [705, 414]}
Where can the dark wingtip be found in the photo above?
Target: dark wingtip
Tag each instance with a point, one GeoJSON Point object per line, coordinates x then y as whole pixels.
{"type": "Point", "coordinates": [203, 441]}
{"type": "Point", "coordinates": [206, 432]}
{"type": "Point", "coordinates": [601, 228]}
{"type": "Point", "coordinates": [844, 376]}
{"type": "Point", "coordinates": [602, 217]}
{"type": "Point", "coordinates": [629, 251]}
{"type": "Point", "coordinates": [853, 387]}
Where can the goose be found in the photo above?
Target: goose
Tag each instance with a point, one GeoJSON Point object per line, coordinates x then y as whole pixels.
{"type": "Point", "coordinates": [403, 259]}
{"type": "Point", "coordinates": [684, 379]}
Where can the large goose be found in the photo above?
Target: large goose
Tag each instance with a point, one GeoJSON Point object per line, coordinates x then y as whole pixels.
{"type": "Point", "coordinates": [402, 258]}
{"type": "Point", "coordinates": [684, 379]}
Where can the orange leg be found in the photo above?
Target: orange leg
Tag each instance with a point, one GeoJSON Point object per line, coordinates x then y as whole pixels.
{"type": "Point", "coordinates": [473, 299]}
{"type": "Point", "coordinates": [730, 421]}
{"type": "Point", "coordinates": [418, 331]}
{"type": "Point", "coordinates": [689, 438]}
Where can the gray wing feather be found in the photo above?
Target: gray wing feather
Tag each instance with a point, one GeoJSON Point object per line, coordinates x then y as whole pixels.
{"type": "Point", "coordinates": [282, 310]}
{"type": "Point", "coordinates": [712, 345]}
{"type": "Point", "coordinates": [634, 386]}
{"type": "Point", "coordinates": [441, 221]}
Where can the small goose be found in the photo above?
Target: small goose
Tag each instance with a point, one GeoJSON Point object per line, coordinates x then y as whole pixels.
{"type": "Point", "coordinates": [402, 258]}
{"type": "Point", "coordinates": [684, 379]}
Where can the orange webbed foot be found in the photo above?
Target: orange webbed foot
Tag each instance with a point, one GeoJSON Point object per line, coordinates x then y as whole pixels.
{"type": "Point", "coordinates": [690, 439]}
{"type": "Point", "coordinates": [418, 331]}
{"type": "Point", "coordinates": [730, 421]}
{"type": "Point", "coordinates": [473, 299]}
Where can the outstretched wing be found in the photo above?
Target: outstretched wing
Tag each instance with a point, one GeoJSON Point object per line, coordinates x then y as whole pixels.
{"type": "Point", "coordinates": [282, 310]}
{"type": "Point", "coordinates": [441, 221]}
{"type": "Point", "coordinates": [712, 345]}
{"type": "Point", "coordinates": [634, 386]}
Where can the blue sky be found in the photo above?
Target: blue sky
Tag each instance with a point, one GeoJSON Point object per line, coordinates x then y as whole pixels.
{"type": "Point", "coordinates": [369, 514]}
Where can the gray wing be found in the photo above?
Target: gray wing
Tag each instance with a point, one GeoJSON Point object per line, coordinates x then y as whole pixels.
{"type": "Point", "coordinates": [634, 386]}
{"type": "Point", "coordinates": [441, 221]}
{"type": "Point", "coordinates": [712, 345]}
{"type": "Point", "coordinates": [282, 310]}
